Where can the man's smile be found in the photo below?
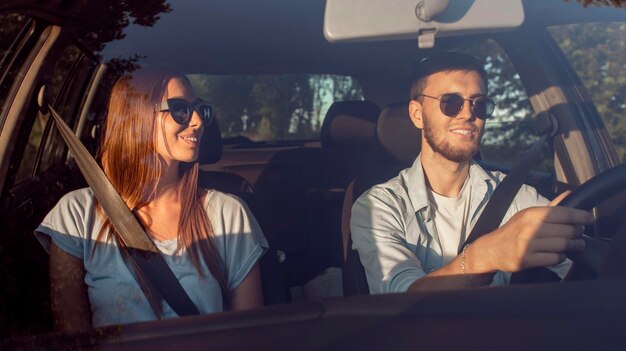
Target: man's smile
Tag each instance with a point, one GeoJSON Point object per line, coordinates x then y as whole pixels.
{"type": "Point", "coordinates": [464, 132]}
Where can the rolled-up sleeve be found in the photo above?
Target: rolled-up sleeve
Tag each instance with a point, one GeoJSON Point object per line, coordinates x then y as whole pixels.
{"type": "Point", "coordinates": [64, 224]}
{"type": "Point", "coordinates": [244, 240]}
{"type": "Point", "coordinates": [378, 235]}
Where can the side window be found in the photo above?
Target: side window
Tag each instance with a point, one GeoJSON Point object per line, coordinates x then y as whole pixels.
{"type": "Point", "coordinates": [12, 25]}
{"type": "Point", "coordinates": [510, 131]}
{"type": "Point", "coordinates": [45, 146]}
{"type": "Point", "coordinates": [66, 102]}
{"type": "Point", "coordinates": [273, 107]}
{"type": "Point", "coordinates": [13, 29]}
{"type": "Point", "coordinates": [596, 51]}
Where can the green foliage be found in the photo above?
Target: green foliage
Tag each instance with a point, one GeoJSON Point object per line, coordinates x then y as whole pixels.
{"type": "Point", "coordinates": [597, 52]}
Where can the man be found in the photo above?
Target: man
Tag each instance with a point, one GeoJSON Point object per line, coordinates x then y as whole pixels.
{"type": "Point", "coordinates": [408, 230]}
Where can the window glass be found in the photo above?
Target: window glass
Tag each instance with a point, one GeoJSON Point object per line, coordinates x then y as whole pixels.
{"type": "Point", "coordinates": [55, 147]}
{"type": "Point", "coordinates": [597, 52]}
{"type": "Point", "coordinates": [66, 103]}
{"type": "Point", "coordinates": [12, 23]}
{"type": "Point", "coordinates": [273, 107]}
{"type": "Point", "coordinates": [510, 131]}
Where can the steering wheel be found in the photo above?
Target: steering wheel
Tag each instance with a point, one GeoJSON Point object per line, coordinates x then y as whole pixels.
{"type": "Point", "coordinates": [600, 258]}
{"type": "Point", "coordinates": [598, 253]}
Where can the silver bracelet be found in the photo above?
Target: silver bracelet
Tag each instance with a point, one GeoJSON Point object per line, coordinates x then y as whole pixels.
{"type": "Point", "coordinates": [464, 267]}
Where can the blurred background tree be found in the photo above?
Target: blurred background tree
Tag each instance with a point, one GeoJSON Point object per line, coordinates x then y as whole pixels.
{"type": "Point", "coordinates": [597, 52]}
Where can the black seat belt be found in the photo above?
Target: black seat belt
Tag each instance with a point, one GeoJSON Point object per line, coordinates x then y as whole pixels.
{"type": "Point", "coordinates": [140, 248]}
{"type": "Point", "coordinates": [503, 195]}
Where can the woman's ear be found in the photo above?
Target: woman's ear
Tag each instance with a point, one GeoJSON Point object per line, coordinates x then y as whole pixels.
{"type": "Point", "coordinates": [415, 112]}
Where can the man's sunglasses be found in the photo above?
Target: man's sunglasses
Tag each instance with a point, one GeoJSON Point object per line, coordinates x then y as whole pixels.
{"type": "Point", "coordinates": [451, 104]}
{"type": "Point", "coordinates": [181, 110]}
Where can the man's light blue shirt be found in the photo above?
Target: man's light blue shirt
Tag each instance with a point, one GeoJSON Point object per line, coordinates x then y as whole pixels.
{"type": "Point", "coordinates": [396, 238]}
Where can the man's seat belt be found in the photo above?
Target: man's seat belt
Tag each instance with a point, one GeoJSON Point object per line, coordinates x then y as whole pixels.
{"type": "Point", "coordinates": [140, 248]}
{"type": "Point", "coordinates": [505, 192]}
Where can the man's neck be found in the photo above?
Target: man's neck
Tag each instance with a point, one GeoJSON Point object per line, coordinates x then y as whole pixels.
{"type": "Point", "coordinates": [443, 176]}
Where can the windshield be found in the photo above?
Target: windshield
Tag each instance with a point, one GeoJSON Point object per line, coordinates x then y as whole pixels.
{"type": "Point", "coordinates": [243, 143]}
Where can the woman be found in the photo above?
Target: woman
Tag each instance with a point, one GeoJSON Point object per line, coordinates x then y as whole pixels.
{"type": "Point", "coordinates": [209, 239]}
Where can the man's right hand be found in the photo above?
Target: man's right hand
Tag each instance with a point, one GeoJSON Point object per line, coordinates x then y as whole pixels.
{"type": "Point", "coordinates": [534, 237]}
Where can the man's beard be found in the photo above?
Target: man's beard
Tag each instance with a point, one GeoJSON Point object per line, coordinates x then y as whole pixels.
{"type": "Point", "coordinates": [441, 145]}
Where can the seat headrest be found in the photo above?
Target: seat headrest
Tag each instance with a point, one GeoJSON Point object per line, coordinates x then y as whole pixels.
{"type": "Point", "coordinates": [397, 134]}
{"type": "Point", "coordinates": [210, 144]}
{"type": "Point", "coordinates": [349, 123]}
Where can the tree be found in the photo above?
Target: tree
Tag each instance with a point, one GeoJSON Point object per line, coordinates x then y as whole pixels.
{"type": "Point", "coordinates": [597, 52]}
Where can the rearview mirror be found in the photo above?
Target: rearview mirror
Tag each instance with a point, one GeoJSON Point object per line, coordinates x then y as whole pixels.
{"type": "Point", "coordinates": [361, 20]}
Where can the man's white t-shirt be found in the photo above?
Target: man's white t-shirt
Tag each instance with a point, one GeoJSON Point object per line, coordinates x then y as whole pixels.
{"type": "Point", "coordinates": [452, 218]}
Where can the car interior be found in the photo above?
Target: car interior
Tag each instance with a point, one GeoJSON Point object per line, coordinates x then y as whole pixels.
{"type": "Point", "coordinates": [300, 182]}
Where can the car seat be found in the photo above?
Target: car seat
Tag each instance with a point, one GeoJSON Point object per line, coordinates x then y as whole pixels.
{"type": "Point", "coordinates": [346, 139]}
{"type": "Point", "coordinates": [397, 143]}
{"type": "Point", "coordinates": [274, 287]}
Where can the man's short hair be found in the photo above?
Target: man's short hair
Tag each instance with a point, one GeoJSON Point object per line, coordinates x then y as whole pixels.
{"type": "Point", "coordinates": [440, 62]}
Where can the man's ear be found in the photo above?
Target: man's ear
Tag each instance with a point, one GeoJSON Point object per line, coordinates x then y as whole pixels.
{"type": "Point", "coordinates": [415, 111]}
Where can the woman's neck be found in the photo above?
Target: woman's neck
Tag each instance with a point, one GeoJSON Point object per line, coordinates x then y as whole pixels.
{"type": "Point", "coordinates": [167, 186]}
{"type": "Point", "coordinates": [161, 215]}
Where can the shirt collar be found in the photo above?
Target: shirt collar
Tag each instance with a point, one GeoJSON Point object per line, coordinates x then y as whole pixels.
{"type": "Point", "coordinates": [415, 183]}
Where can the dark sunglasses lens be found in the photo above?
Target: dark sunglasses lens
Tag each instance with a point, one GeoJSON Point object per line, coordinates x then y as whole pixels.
{"type": "Point", "coordinates": [180, 111]}
{"type": "Point", "coordinates": [205, 112]}
{"type": "Point", "coordinates": [483, 107]}
{"type": "Point", "coordinates": [451, 104]}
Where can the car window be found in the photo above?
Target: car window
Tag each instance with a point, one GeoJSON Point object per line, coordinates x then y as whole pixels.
{"type": "Point", "coordinates": [273, 107]}
{"type": "Point", "coordinates": [54, 148]}
{"type": "Point", "coordinates": [12, 24]}
{"type": "Point", "coordinates": [510, 131]}
{"type": "Point", "coordinates": [12, 31]}
{"type": "Point", "coordinates": [597, 52]}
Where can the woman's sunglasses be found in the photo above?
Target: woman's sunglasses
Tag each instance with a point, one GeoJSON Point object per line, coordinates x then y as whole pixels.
{"type": "Point", "coordinates": [181, 110]}
{"type": "Point", "coordinates": [451, 104]}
